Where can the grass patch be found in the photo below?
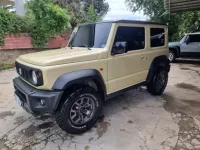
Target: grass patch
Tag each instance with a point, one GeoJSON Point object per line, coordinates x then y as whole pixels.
{"type": "Point", "coordinates": [5, 67]}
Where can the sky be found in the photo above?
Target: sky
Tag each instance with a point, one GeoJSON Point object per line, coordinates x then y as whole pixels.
{"type": "Point", "coordinates": [119, 10]}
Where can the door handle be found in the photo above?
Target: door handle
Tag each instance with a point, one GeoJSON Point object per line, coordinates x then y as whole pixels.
{"type": "Point", "coordinates": [143, 58]}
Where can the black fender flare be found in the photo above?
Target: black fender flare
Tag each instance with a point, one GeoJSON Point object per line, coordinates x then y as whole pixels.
{"type": "Point", "coordinates": [158, 62]}
{"type": "Point", "coordinates": [176, 49]}
{"type": "Point", "coordinates": [68, 79]}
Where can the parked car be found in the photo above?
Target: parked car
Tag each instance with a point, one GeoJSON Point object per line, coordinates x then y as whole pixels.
{"type": "Point", "coordinates": [188, 46]}
{"type": "Point", "coordinates": [103, 60]}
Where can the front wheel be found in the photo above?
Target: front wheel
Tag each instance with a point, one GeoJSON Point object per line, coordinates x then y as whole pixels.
{"type": "Point", "coordinates": [80, 111]}
{"type": "Point", "coordinates": [158, 83]}
{"type": "Point", "coordinates": [172, 56]}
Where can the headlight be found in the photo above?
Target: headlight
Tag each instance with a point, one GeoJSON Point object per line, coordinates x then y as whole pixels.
{"type": "Point", "coordinates": [34, 77]}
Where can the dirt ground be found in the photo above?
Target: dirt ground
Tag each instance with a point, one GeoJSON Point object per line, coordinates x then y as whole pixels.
{"type": "Point", "coordinates": [133, 121]}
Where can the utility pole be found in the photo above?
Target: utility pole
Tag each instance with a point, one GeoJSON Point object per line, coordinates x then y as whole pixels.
{"type": "Point", "coordinates": [19, 6]}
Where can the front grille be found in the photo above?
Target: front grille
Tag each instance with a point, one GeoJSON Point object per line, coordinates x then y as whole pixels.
{"type": "Point", "coordinates": [25, 71]}
{"type": "Point", "coordinates": [25, 74]}
{"type": "Point", "coordinates": [20, 94]}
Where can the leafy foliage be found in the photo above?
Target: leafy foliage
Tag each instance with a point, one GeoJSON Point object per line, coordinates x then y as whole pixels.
{"type": "Point", "coordinates": [85, 10]}
{"type": "Point", "coordinates": [91, 16]}
{"type": "Point", "coordinates": [101, 7]}
{"type": "Point", "coordinates": [48, 20]}
{"type": "Point", "coordinates": [75, 9]}
{"type": "Point", "coordinates": [43, 20]}
{"type": "Point", "coordinates": [10, 23]}
{"type": "Point", "coordinates": [179, 23]}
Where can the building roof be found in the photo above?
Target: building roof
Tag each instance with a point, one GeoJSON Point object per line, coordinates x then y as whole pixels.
{"type": "Point", "coordinates": [6, 2]}
{"type": "Point", "coordinates": [182, 5]}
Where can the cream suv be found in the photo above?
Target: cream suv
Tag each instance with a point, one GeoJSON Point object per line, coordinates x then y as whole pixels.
{"type": "Point", "coordinates": [102, 61]}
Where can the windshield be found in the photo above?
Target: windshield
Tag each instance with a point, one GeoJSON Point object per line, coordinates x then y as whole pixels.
{"type": "Point", "coordinates": [183, 39]}
{"type": "Point", "coordinates": [91, 35]}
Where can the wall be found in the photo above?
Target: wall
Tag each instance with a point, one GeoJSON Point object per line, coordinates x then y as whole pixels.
{"type": "Point", "coordinates": [15, 45]}
{"type": "Point", "coordinates": [25, 42]}
{"type": "Point", "coordinates": [8, 57]}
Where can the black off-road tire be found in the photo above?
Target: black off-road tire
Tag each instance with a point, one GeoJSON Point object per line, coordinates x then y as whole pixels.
{"type": "Point", "coordinates": [152, 86]}
{"type": "Point", "coordinates": [63, 116]}
{"type": "Point", "coordinates": [172, 56]}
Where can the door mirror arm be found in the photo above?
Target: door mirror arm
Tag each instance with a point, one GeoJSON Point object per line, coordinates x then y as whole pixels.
{"type": "Point", "coordinates": [187, 42]}
{"type": "Point", "coordinates": [119, 48]}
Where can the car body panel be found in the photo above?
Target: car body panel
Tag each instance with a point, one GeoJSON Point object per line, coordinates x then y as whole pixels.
{"type": "Point", "coordinates": [132, 67]}
{"type": "Point", "coordinates": [118, 71]}
{"type": "Point", "coordinates": [187, 49]}
{"type": "Point", "coordinates": [60, 56]}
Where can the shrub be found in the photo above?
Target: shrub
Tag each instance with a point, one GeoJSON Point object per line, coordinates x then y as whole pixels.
{"type": "Point", "coordinates": [49, 20]}
{"type": "Point", "coordinates": [10, 23]}
{"type": "Point", "coordinates": [43, 20]}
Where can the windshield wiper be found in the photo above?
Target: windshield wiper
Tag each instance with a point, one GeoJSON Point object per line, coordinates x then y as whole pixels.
{"type": "Point", "coordinates": [85, 46]}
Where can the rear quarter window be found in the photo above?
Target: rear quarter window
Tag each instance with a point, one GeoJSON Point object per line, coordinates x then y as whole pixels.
{"type": "Point", "coordinates": [157, 37]}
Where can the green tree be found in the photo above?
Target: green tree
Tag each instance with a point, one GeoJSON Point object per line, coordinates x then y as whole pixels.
{"type": "Point", "coordinates": [91, 15]}
{"type": "Point", "coordinates": [75, 10]}
{"type": "Point", "coordinates": [47, 19]}
{"type": "Point", "coordinates": [179, 23]}
{"type": "Point", "coordinates": [10, 23]}
{"type": "Point", "coordinates": [82, 11]}
{"type": "Point", "coordinates": [101, 7]}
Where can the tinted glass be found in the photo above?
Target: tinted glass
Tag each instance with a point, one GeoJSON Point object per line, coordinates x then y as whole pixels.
{"type": "Point", "coordinates": [157, 37]}
{"type": "Point", "coordinates": [194, 38]}
{"type": "Point", "coordinates": [92, 35]}
{"type": "Point", "coordinates": [134, 37]}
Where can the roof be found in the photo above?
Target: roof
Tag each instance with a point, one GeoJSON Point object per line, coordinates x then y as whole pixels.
{"type": "Point", "coordinates": [182, 5]}
{"type": "Point", "coordinates": [130, 22]}
{"type": "Point", "coordinates": [138, 22]}
{"type": "Point", "coordinates": [6, 2]}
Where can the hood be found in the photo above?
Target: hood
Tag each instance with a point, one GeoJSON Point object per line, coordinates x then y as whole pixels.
{"type": "Point", "coordinates": [60, 56]}
{"type": "Point", "coordinates": [174, 43]}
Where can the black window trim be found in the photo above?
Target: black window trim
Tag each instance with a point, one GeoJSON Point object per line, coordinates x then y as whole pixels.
{"type": "Point", "coordinates": [150, 37]}
{"type": "Point", "coordinates": [188, 36]}
{"type": "Point", "coordinates": [137, 26]}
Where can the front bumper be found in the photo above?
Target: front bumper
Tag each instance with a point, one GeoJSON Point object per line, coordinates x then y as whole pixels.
{"type": "Point", "coordinates": [31, 98]}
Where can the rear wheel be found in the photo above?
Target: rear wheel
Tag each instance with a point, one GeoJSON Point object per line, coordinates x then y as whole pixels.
{"type": "Point", "coordinates": [158, 83]}
{"type": "Point", "coordinates": [80, 111]}
{"type": "Point", "coordinates": [172, 56]}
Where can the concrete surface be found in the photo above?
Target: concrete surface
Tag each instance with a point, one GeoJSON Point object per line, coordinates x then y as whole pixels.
{"type": "Point", "coordinates": [133, 121]}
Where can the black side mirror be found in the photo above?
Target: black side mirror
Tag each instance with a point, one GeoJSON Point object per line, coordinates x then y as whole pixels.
{"type": "Point", "coordinates": [187, 41]}
{"type": "Point", "coordinates": [119, 48]}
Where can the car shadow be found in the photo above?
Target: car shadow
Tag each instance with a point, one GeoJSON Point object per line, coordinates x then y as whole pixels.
{"type": "Point", "coordinates": [188, 61]}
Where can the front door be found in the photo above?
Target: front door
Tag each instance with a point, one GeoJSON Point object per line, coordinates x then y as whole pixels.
{"type": "Point", "coordinates": [191, 47]}
{"type": "Point", "coordinates": [124, 63]}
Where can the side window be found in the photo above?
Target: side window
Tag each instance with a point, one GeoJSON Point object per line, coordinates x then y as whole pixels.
{"type": "Point", "coordinates": [129, 38]}
{"type": "Point", "coordinates": [157, 37]}
{"type": "Point", "coordinates": [194, 38]}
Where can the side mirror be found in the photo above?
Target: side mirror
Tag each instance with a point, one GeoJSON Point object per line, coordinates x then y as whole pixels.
{"type": "Point", "coordinates": [187, 41]}
{"type": "Point", "coordinates": [119, 48]}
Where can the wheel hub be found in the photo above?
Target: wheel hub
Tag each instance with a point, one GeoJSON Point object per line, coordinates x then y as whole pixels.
{"type": "Point", "coordinates": [171, 56]}
{"type": "Point", "coordinates": [161, 81]}
{"type": "Point", "coordinates": [82, 110]}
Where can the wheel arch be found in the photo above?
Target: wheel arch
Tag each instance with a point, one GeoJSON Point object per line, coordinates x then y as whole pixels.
{"type": "Point", "coordinates": [157, 63]}
{"type": "Point", "coordinates": [175, 49]}
{"type": "Point", "coordinates": [79, 78]}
